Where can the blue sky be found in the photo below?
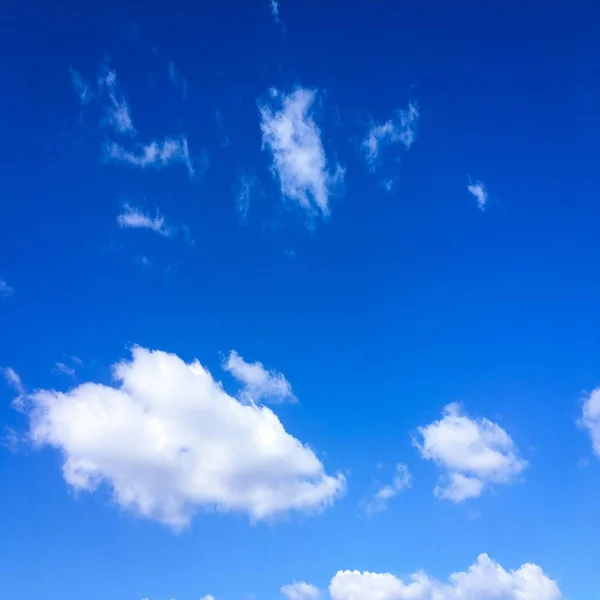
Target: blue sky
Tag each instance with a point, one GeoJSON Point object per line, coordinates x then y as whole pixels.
{"type": "Point", "coordinates": [299, 300]}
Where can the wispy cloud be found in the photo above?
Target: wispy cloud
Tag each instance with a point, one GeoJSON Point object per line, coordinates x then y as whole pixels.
{"type": "Point", "coordinates": [77, 360]}
{"type": "Point", "coordinates": [155, 154]}
{"type": "Point", "coordinates": [118, 114]}
{"type": "Point", "coordinates": [294, 139]}
{"type": "Point", "coordinates": [5, 289]}
{"type": "Point", "coordinates": [221, 121]}
{"type": "Point", "coordinates": [399, 129]}
{"type": "Point", "coordinates": [242, 189]}
{"type": "Point", "coordinates": [402, 480]}
{"type": "Point", "coordinates": [134, 218]}
{"type": "Point", "coordinates": [478, 189]}
{"type": "Point", "coordinates": [82, 88]}
{"type": "Point", "coordinates": [275, 9]}
{"type": "Point", "coordinates": [13, 379]}
{"type": "Point", "coordinates": [178, 80]}
{"type": "Point", "coordinates": [259, 383]}
{"type": "Point", "coordinates": [64, 369]}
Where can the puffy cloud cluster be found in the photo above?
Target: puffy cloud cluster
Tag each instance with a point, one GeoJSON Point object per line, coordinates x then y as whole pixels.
{"type": "Point", "coordinates": [168, 440]}
{"type": "Point", "coordinates": [473, 454]}
{"type": "Point", "coordinates": [484, 580]}
{"type": "Point", "coordinates": [300, 590]}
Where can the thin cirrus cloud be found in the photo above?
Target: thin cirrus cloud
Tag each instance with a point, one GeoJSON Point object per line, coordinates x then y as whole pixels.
{"type": "Point", "coordinates": [118, 114]}
{"type": "Point", "coordinates": [401, 128]}
{"type": "Point", "coordinates": [479, 191]}
{"type": "Point", "coordinates": [81, 87]}
{"type": "Point", "coordinates": [402, 480]}
{"type": "Point", "coordinates": [178, 80]}
{"type": "Point", "coordinates": [132, 217]}
{"type": "Point", "coordinates": [291, 134]}
{"type": "Point", "coordinates": [484, 580]}
{"type": "Point", "coordinates": [275, 9]}
{"type": "Point", "coordinates": [155, 154]}
{"type": "Point", "coordinates": [300, 590]}
{"type": "Point", "coordinates": [5, 289]}
{"type": "Point", "coordinates": [64, 369]}
{"type": "Point", "coordinates": [590, 418]}
{"type": "Point", "coordinates": [259, 383]}
{"type": "Point", "coordinates": [13, 380]}
{"type": "Point", "coordinates": [244, 186]}
{"type": "Point", "coordinates": [107, 434]}
{"type": "Point", "coordinates": [472, 453]}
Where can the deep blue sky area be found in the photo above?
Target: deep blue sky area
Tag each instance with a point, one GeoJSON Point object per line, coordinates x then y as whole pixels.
{"type": "Point", "coordinates": [381, 292]}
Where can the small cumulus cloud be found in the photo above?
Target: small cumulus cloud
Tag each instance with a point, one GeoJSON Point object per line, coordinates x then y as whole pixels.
{"type": "Point", "coordinates": [300, 590]}
{"type": "Point", "coordinates": [479, 191]}
{"type": "Point", "coordinates": [132, 217]}
{"type": "Point", "coordinates": [473, 454]}
{"type": "Point", "coordinates": [291, 134]}
{"type": "Point", "coordinates": [402, 480]}
{"type": "Point", "coordinates": [259, 383]}
{"type": "Point", "coordinates": [401, 128]}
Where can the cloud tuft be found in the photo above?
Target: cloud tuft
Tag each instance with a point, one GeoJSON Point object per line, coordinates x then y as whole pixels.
{"type": "Point", "coordinates": [134, 218]}
{"type": "Point", "coordinates": [300, 590]}
{"type": "Point", "coordinates": [480, 192]}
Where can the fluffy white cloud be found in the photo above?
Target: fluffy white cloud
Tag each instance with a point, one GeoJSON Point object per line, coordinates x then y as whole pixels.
{"type": "Point", "coordinates": [473, 453]}
{"type": "Point", "coordinates": [118, 115]}
{"type": "Point", "coordinates": [402, 480]}
{"type": "Point", "coordinates": [299, 161]}
{"type": "Point", "coordinates": [134, 218]}
{"type": "Point", "coordinates": [155, 154]}
{"type": "Point", "coordinates": [5, 289]}
{"type": "Point", "coordinates": [301, 590]}
{"type": "Point", "coordinates": [401, 128]}
{"type": "Point", "coordinates": [82, 89]}
{"type": "Point", "coordinates": [259, 384]}
{"type": "Point", "coordinates": [478, 190]}
{"type": "Point", "coordinates": [590, 418]}
{"type": "Point", "coordinates": [485, 580]}
{"type": "Point", "coordinates": [168, 440]}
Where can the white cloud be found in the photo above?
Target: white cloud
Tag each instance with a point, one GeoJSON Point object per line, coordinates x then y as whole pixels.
{"type": "Point", "coordinates": [13, 379]}
{"type": "Point", "coordinates": [117, 111]}
{"type": "Point", "coordinates": [402, 480]}
{"type": "Point", "coordinates": [77, 360]}
{"type": "Point", "coordinates": [64, 369]}
{"type": "Point", "coordinates": [155, 154]}
{"type": "Point", "coordinates": [484, 580]}
{"type": "Point", "coordinates": [301, 590]}
{"type": "Point", "coordinates": [259, 384]}
{"type": "Point", "coordinates": [133, 217]}
{"type": "Point", "coordinates": [82, 89]}
{"type": "Point", "coordinates": [590, 418]}
{"type": "Point", "coordinates": [401, 128]}
{"type": "Point", "coordinates": [299, 161]}
{"type": "Point", "coordinates": [5, 289]}
{"type": "Point", "coordinates": [275, 9]}
{"type": "Point", "coordinates": [168, 440]}
{"type": "Point", "coordinates": [479, 190]}
{"type": "Point", "coordinates": [473, 453]}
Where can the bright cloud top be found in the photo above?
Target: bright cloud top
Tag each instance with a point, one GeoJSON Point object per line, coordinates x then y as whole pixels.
{"type": "Point", "coordinates": [133, 217]}
{"type": "Point", "coordinates": [301, 590]}
{"type": "Point", "coordinates": [591, 418]}
{"type": "Point", "coordinates": [118, 114]}
{"type": "Point", "coordinates": [299, 161]}
{"type": "Point", "coordinates": [155, 154]}
{"type": "Point", "coordinates": [402, 480]}
{"type": "Point", "coordinates": [485, 580]}
{"type": "Point", "coordinates": [259, 384]}
{"type": "Point", "coordinates": [401, 128]}
{"type": "Point", "coordinates": [480, 192]}
{"type": "Point", "coordinates": [473, 453]}
{"type": "Point", "coordinates": [168, 440]}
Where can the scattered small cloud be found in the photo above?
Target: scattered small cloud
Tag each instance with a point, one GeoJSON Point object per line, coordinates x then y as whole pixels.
{"type": "Point", "coordinates": [77, 360]}
{"type": "Point", "coordinates": [259, 384]}
{"type": "Point", "coordinates": [81, 87]}
{"type": "Point", "coordinates": [13, 380]}
{"type": "Point", "coordinates": [294, 140]}
{"type": "Point", "coordinates": [590, 418]}
{"type": "Point", "coordinates": [263, 471]}
{"type": "Point", "coordinates": [64, 369]}
{"type": "Point", "coordinates": [178, 80]}
{"type": "Point", "coordinates": [132, 217]}
{"type": "Point", "coordinates": [10, 439]}
{"type": "Point", "coordinates": [118, 115]}
{"type": "Point", "coordinates": [243, 188]}
{"type": "Point", "coordinates": [401, 128]}
{"type": "Point", "coordinates": [5, 289]}
{"type": "Point", "coordinates": [144, 262]}
{"type": "Point", "coordinates": [480, 192]}
{"type": "Point", "coordinates": [473, 453]}
{"type": "Point", "coordinates": [486, 579]}
{"type": "Point", "coordinates": [300, 590]}
{"type": "Point", "coordinates": [275, 9]}
{"type": "Point", "coordinates": [155, 154]}
{"type": "Point", "coordinates": [402, 481]}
